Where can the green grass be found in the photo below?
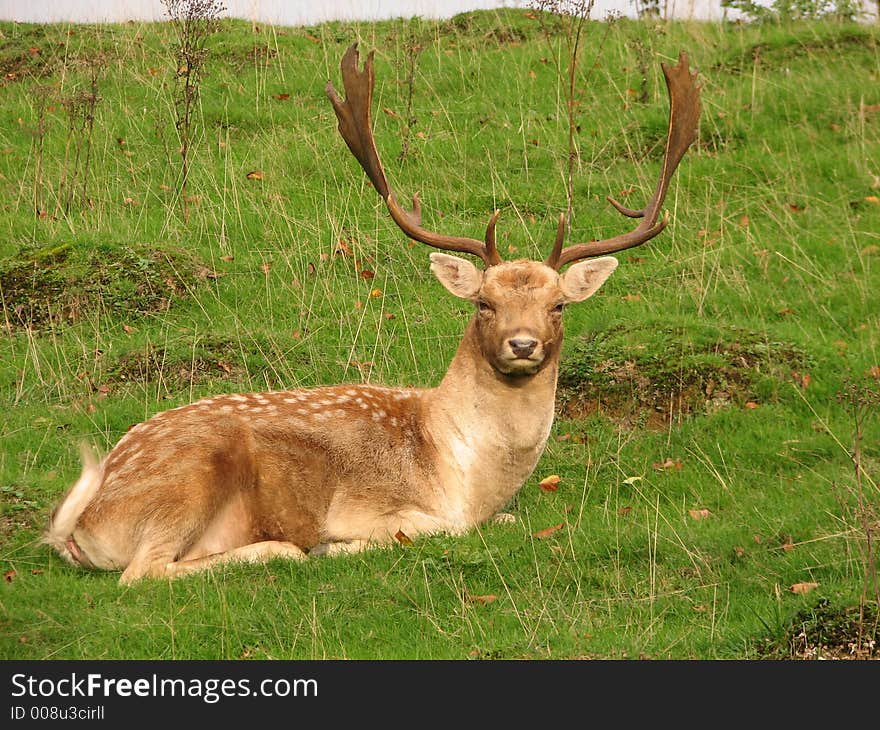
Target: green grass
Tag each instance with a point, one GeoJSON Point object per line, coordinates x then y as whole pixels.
{"type": "Point", "coordinates": [702, 377]}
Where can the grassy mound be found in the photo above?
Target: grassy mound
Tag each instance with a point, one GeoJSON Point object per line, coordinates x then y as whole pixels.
{"type": "Point", "coordinates": [53, 286]}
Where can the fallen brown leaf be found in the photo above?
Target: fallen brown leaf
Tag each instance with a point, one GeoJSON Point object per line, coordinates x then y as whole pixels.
{"type": "Point", "coordinates": [488, 598]}
{"type": "Point", "coordinates": [751, 405]}
{"type": "Point", "coordinates": [667, 464]}
{"type": "Point", "coordinates": [700, 514]}
{"type": "Point", "coordinates": [281, 97]}
{"type": "Point", "coordinates": [266, 267]}
{"type": "Point", "coordinates": [402, 538]}
{"type": "Point", "coordinates": [367, 274]}
{"type": "Point", "coordinates": [802, 588]}
{"type": "Point", "coordinates": [255, 175]}
{"type": "Point", "coordinates": [546, 532]}
{"type": "Point", "coordinates": [551, 483]}
{"type": "Point", "coordinates": [9, 575]}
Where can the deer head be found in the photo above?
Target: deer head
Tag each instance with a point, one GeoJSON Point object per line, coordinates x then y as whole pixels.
{"type": "Point", "coordinates": [519, 304]}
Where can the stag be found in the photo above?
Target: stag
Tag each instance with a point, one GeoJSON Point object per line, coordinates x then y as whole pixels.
{"type": "Point", "coordinates": [249, 477]}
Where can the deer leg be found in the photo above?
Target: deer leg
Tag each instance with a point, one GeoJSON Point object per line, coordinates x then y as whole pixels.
{"type": "Point", "coordinates": [149, 560]}
{"type": "Point", "coordinates": [341, 547]}
{"type": "Point", "coordinates": [257, 552]}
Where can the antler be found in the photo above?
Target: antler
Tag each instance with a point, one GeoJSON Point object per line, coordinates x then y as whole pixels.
{"type": "Point", "coordinates": [356, 129]}
{"type": "Point", "coordinates": [684, 111]}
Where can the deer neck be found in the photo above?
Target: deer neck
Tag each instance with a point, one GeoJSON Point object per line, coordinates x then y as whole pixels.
{"type": "Point", "coordinates": [490, 429]}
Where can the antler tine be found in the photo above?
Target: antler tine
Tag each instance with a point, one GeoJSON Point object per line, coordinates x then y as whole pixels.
{"type": "Point", "coordinates": [684, 112]}
{"type": "Point", "coordinates": [356, 128]}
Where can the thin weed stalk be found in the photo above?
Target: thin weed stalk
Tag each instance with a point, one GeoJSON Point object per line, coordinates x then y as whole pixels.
{"type": "Point", "coordinates": [573, 16]}
{"type": "Point", "coordinates": [412, 49]}
{"type": "Point", "coordinates": [192, 22]}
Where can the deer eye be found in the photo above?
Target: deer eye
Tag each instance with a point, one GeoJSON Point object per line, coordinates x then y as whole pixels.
{"type": "Point", "coordinates": [558, 308]}
{"type": "Point", "coordinates": [484, 307]}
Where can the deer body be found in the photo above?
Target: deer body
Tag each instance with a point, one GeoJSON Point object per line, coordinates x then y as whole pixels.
{"type": "Point", "coordinates": [250, 476]}
{"type": "Point", "coordinates": [253, 476]}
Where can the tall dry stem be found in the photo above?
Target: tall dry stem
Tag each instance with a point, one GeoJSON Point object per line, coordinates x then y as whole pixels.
{"type": "Point", "coordinates": [193, 22]}
{"type": "Point", "coordinates": [572, 16]}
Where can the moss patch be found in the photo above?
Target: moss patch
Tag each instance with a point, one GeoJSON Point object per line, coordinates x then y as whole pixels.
{"type": "Point", "coordinates": [652, 374]}
{"type": "Point", "coordinates": [827, 631]}
{"type": "Point", "coordinates": [210, 360]}
{"type": "Point", "coordinates": [50, 287]}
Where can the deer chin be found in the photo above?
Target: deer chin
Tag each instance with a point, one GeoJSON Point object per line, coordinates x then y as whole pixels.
{"type": "Point", "coordinates": [519, 366]}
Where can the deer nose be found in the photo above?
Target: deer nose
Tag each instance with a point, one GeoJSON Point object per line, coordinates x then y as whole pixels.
{"type": "Point", "coordinates": [522, 347]}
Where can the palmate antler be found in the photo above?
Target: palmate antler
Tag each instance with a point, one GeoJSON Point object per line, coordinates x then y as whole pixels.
{"type": "Point", "coordinates": [684, 113]}
{"type": "Point", "coordinates": [356, 129]}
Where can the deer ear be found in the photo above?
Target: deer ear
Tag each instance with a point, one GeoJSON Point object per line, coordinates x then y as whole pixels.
{"type": "Point", "coordinates": [460, 277]}
{"type": "Point", "coordinates": [584, 278]}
